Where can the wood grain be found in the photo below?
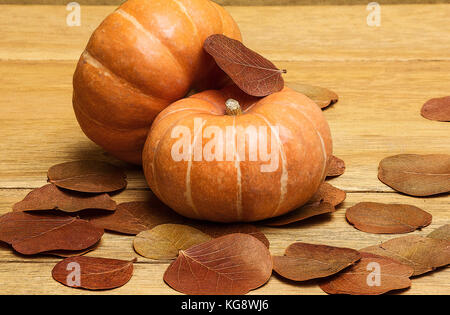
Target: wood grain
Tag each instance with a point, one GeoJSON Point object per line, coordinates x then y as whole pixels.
{"type": "Point", "coordinates": [338, 33]}
{"type": "Point", "coordinates": [382, 75]}
{"type": "Point", "coordinates": [234, 2]}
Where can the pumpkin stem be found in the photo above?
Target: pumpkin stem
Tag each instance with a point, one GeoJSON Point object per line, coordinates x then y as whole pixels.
{"type": "Point", "coordinates": [232, 107]}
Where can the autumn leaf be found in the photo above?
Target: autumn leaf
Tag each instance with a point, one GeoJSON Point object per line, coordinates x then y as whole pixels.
{"type": "Point", "coordinates": [231, 264]}
{"type": "Point", "coordinates": [302, 261]}
{"type": "Point", "coordinates": [254, 74]}
{"type": "Point", "coordinates": [135, 217]}
{"type": "Point", "coordinates": [166, 240]}
{"type": "Point", "coordinates": [32, 234]}
{"type": "Point", "coordinates": [50, 197]}
{"type": "Point", "coordinates": [321, 96]}
{"type": "Point", "coordinates": [416, 175]}
{"type": "Point", "coordinates": [323, 201]}
{"type": "Point", "coordinates": [424, 254]}
{"type": "Point", "coordinates": [437, 109]}
{"type": "Point", "coordinates": [373, 217]}
{"type": "Point", "coordinates": [72, 253]}
{"type": "Point", "coordinates": [372, 275]}
{"type": "Point", "coordinates": [442, 233]}
{"type": "Point", "coordinates": [328, 193]}
{"type": "Point", "coordinates": [87, 176]}
{"type": "Point", "coordinates": [218, 229]}
{"type": "Point", "coordinates": [302, 213]}
{"type": "Point", "coordinates": [336, 167]}
{"type": "Point", "coordinates": [94, 273]}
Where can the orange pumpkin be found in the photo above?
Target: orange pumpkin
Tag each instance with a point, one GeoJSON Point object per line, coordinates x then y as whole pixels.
{"type": "Point", "coordinates": [182, 156]}
{"type": "Point", "coordinates": [143, 57]}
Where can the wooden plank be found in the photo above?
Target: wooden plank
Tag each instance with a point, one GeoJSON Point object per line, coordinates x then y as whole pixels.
{"type": "Point", "coordinates": [407, 32]}
{"type": "Point", "coordinates": [148, 273]}
{"type": "Point", "coordinates": [235, 2]}
{"type": "Point", "coordinates": [381, 80]}
{"type": "Point", "coordinates": [384, 98]}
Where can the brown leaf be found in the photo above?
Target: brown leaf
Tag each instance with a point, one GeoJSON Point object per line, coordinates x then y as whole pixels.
{"type": "Point", "coordinates": [437, 109]}
{"type": "Point", "coordinates": [50, 197]}
{"type": "Point", "coordinates": [336, 167]}
{"type": "Point", "coordinates": [302, 213]}
{"type": "Point", "coordinates": [166, 240]}
{"type": "Point", "coordinates": [302, 261]}
{"type": "Point", "coordinates": [254, 74]}
{"type": "Point", "coordinates": [231, 264]}
{"type": "Point", "coordinates": [416, 175]}
{"type": "Point", "coordinates": [87, 176]}
{"type": "Point", "coordinates": [135, 217]}
{"type": "Point", "coordinates": [217, 229]}
{"type": "Point", "coordinates": [328, 193]}
{"type": "Point", "coordinates": [31, 234]}
{"type": "Point", "coordinates": [321, 96]}
{"type": "Point", "coordinates": [442, 233]}
{"type": "Point", "coordinates": [361, 278]}
{"type": "Point", "coordinates": [424, 254]}
{"type": "Point", "coordinates": [72, 253]}
{"type": "Point", "coordinates": [379, 218]}
{"type": "Point", "coordinates": [94, 273]}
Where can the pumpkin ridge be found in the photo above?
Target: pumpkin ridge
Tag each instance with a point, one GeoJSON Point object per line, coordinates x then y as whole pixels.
{"type": "Point", "coordinates": [130, 18]}
{"type": "Point", "coordinates": [214, 5]}
{"type": "Point", "coordinates": [155, 182]}
{"type": "Point", "coordinates": [324, 151]}
{"type": "Point", "coordinates": [101, 124]}
{"type": "Point", "coordinates": [237, 164]}
{"type": "Point", "coordinates": [188, 192]}
{"type": "Point", "coordinates": [95, 62]}
{"type": "Point", "coordinates": [189, 18]}
{"type": "Point", "coordinates": [284, 172]}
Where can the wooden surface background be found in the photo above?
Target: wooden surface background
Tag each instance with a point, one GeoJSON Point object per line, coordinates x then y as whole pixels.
{"type": "Point", "coordinates": [383, 75]}
{"type": "Point", "coordinates": [237, 2]}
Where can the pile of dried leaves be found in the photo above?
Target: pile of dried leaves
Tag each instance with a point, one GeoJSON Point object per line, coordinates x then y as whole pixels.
{"type": "Point", "coordinates": [211, 258]}
{"type": "Point", "coordinates": [68, 216]}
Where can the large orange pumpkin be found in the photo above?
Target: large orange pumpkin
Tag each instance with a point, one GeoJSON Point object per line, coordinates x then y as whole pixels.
{"type": "Point", "coordinates": [144, 56]}
{"type": "Point", "coordinates": [237, 187]}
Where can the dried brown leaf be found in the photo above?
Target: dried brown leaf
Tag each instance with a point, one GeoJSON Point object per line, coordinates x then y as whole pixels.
{"type": "Point", "coordinates": [217, 229]}
{"type": "Point", "coordinates": [72, 253]}
{"type": "Point", "coordinates": [361, 278]}
{"type": "Point", "coordinates": [321, 96]}
{"type": "Point", "coordinates": [336, 167]}
{"type": "Point", "coordinates": [373, 217]}
{"type": "Point", "coordinates": [416, 175]}
{"type": "Point", "coordinates": [424, 254]}
{"type": "Point", "coordinates": [87, 176]}
{"type": "Point", "coordinates": [302, 261]}
{"type": "Point", "coordinates": [94, 273]}
{"type": "Point", "coordinates": [442, 233]}
{"type": "Point", "coordinates": [135, 217]}
{"type": "Point", "coordinates": [302, 213]}
{"type": "Point", "coordinates": [254, 74]}
{"type": "Point", "coordinates": [231, 264]}
{"type": "Point", "coordinates": [328, 193]}
{"type": "Point", "coordinates": [166, 240]}
{"type": "Point", "coordinates": [50, 197]}
{"type": "Point", "coordinates": [437, 109]}
{"type": "Point", "coordinates": [32, 234]}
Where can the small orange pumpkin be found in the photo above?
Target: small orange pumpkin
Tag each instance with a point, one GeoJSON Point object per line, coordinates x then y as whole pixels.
{"type": "Point", "coordinates": [198, 155]}
{"type": "Point", "coordinates": [143, 57]}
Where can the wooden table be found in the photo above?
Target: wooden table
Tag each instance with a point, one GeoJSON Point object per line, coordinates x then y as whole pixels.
{"type": "Point", "coordinates": [383, 75]}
